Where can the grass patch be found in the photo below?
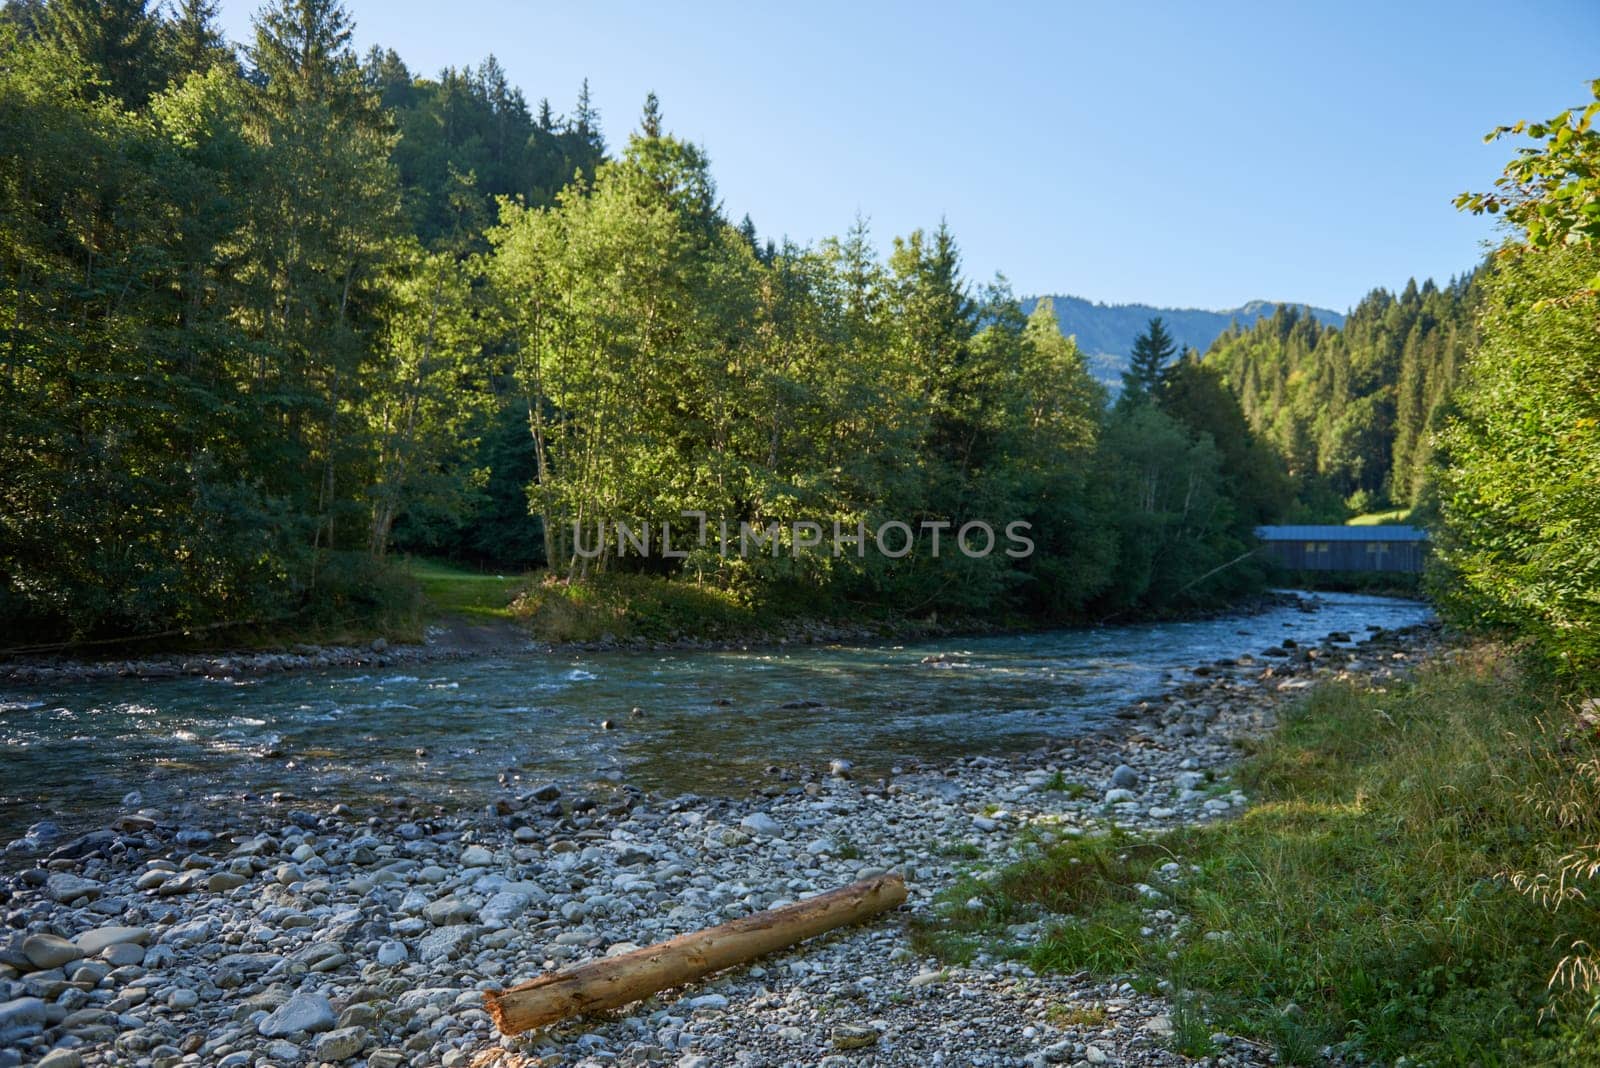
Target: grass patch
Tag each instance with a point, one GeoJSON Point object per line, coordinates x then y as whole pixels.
{"type": "Point", "coordinates": [453, 590]}
{"type": "Point", "coordinates": [1058, 783]}
{"type": "Point", "coordinates": [1377, 519]}
{"type": "Point", "coordinates": [621, 606]}
{"type": "Point", "coordinates": [1087, 1017]}
{"type": "Point", "coordinates": [1191, 1031]}
{"type": "Point", "coordinates": [1365, 901]}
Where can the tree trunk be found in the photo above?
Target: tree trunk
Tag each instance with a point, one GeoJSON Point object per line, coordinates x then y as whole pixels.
{"type": "Point", "coordinates": [395, 464]}
{"type": "Point", "coordinates": [610, 982]}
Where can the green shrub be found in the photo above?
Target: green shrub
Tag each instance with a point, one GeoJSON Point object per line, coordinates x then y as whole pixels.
{"type": "Point", "coordinates": [354, 596]}
{"type": "Point", "coordinates": [1519, 489]}
{"type": "Point", "coordinates": [622, 605]}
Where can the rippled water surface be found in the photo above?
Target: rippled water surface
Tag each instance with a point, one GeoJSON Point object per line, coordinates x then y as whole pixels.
{"type": "Point", "coordinates": [712, 721]}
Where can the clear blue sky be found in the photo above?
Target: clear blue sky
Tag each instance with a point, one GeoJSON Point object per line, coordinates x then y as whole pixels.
{"type": "Point", "coordinates": [1185, 154]}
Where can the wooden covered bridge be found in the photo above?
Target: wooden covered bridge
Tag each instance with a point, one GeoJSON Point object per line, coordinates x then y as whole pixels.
{"type": "Point", "coordinates": [1338, 548]}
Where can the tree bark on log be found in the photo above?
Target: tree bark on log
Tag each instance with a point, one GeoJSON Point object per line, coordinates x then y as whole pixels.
{"type": "Point", "coordinates": [610, 982]}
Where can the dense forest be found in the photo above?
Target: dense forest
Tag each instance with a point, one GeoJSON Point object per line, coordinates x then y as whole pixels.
{"type": "Point", "coordinates": [274, 315]}
{"type": "Point", "coordinates": [1351, 408]}
{"type": "Point", "coordinates": [271, 315]}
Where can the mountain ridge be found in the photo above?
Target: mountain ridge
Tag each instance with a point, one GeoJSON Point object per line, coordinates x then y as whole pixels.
{"type": "Point", "coordinates": [1105, 332]}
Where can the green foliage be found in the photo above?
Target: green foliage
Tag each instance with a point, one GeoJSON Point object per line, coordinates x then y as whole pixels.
{"type": "Point", "coordinates": [484, 520]}
{"type": "Point", "coordinates": [1254, 474]}
{"type": "Point", "coordinates": [835, 389]}
{"type": "Point", "coordinates": [1147, 364]}
{"type": "Point", "coordinates": [192, 43]}
{"type": "Point", "coordinates": [218, 371]}
{"type": "Point", "coordinates": [128, 505]}
{"type": "Point", "coordinates": [623, 606]}
{"type": "Point", "coordinates": [1365, 900]}
{"type": "Point", "coordinates": [1551, 193]}
{"type": "Point", "coordinates": [432, 392]}
{"type": "Point", "coordinates": [1181, 539]}
{"type": "Point", "coordinates": [263, 315]}
{"type": "Point", "coordinates": [1059, 783]}
{"type": "Point", "coordinates": [1519, 483]}
{"type": "Point", "coordinates": [1351, 408]}
{"type": "Point", "coordinates": [357, 594]}
{"type": "Point", "coordinates": [467, 137]}
{"type": "Point", "coordinates": [114, 41]}
{"type": "Point", "coordinates": [842, 390]}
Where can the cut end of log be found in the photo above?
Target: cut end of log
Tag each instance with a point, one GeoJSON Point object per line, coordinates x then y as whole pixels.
{"type": "Point", "coordinates": [496, 1011]}
{"type": "Point", "coordinates": [610, 982]}
{"type": "Point", "coordinates": [495, 1004]}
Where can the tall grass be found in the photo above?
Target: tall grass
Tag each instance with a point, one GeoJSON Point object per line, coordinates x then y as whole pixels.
{"type": "Point", "coordinates": [1369, 899]}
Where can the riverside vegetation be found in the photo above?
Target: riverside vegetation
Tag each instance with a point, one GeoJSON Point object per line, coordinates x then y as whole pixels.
{"type": "Point", "coordinates": [1414, 882]}
{"type": "Point", "coordinates": [1370, 901]}
{"type": "Point", "coordinates": [270, 317]}
{"type": "Point", "coordinates": [228, 400]}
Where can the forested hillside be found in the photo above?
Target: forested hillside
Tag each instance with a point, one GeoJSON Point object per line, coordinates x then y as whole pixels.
{"type": "Point", "coordinates": [269, 316]}
{"type": "Point", "coordinates": [467, 136]}
{"type": "Point", "coordinates": [1351, 409]}
{"type": "Point", "coordinates": [1105, 332]}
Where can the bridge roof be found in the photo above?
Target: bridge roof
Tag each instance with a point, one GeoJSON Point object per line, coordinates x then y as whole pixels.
{"type": "Point", "coordinates": [1313, 532]}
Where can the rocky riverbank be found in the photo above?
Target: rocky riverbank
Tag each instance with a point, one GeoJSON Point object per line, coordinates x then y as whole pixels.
{"type": "Point", "coordinates": [442, 644]}
{"type": "Point", "coordinates": [283, 936]}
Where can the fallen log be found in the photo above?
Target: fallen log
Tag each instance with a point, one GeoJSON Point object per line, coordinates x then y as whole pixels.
{"type": "Point", "coordinates": [610, 982]}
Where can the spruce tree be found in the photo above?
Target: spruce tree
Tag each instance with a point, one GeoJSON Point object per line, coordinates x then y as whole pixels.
{"type": "Point", "coordinates": [650, 120]}
{"type": "Point", "coordinates": [747, 230]}
{"type": "Point", "coordinates": [1151, 352]}
{"type": "Point", "coordinates": [117, 39]}
{"type": "Point", "coordinates": [302, 53]}
{"type": "Point", "coordinates": [585, 121]}
{"type": "Point", "coordinates": [194, 43]}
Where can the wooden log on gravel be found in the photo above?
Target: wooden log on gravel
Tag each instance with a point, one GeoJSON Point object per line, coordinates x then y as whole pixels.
{"type": "Point", "coordinates": [610, 982]}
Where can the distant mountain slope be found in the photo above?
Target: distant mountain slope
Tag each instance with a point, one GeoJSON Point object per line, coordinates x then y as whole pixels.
{"type": "Point", "coordinates": [1105, 332]}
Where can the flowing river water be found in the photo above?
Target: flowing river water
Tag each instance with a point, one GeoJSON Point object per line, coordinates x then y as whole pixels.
{"type": "Point", "coordinates": [712, 721]}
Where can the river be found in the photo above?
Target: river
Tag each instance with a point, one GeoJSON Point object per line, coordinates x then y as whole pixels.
{"type": "Point", "coordinates": [711, 723]}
